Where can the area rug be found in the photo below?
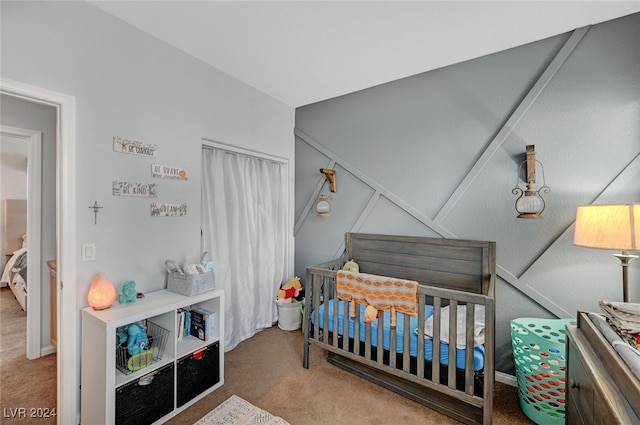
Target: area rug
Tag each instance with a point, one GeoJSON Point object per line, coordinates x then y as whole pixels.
{"type": "Point", "coordinates": [237, 411]}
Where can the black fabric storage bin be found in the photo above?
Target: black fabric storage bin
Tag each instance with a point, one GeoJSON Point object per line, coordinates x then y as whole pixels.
{"type": "Point", "coordinates": [198, 372]}
{"type": "Point", "coordinates": [137, 403]}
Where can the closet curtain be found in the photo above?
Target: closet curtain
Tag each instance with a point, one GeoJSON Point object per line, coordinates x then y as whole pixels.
{"type": "Point", "coordinates": [243, 210]}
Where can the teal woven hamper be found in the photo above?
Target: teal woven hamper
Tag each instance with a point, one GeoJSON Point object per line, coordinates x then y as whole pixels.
{"type": "Point", "coordinates": [539, 352]}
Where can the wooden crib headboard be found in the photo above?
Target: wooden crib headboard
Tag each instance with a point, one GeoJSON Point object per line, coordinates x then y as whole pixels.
{"type": "Point", "coordinates": [464, 265]}
{"type": "Point", "coordinates": [15, 224]}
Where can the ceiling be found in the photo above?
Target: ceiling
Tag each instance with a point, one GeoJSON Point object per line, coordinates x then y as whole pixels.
{"type": "Point", "coordinates": [302, 52]}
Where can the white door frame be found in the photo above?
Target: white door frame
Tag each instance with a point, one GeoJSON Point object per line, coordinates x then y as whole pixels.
{"type": "Point", "coordinates": [34, 231]}
{"type": "Point", "coordinates": [68, 363]}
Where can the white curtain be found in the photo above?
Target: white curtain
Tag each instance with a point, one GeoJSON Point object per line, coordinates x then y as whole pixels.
{"type": "Point", "coordinates": [243, 210]}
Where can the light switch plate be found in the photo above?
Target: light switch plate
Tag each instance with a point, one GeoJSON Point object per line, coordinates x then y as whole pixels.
{"type": "Point", "coordinates": [88, 251]}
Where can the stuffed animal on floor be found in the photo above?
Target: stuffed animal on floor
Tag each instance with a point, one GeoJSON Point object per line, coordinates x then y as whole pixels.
{"type": "Point", "coordinates": [290, 290]}
{"type": "Point", "coordinates": [351, 266]}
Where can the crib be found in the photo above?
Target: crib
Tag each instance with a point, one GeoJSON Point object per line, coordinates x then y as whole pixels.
{"type": "Point", "coordinates": [454, 305]}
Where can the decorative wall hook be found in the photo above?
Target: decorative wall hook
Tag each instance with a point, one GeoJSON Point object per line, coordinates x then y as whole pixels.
{"type": "Point", "coordinates": [96, 210]}
{"type": "Point", "coordinates": [331, 177]}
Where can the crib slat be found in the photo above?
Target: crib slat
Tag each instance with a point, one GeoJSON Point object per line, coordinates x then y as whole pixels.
{"type": "Point", "coordinates": [468, 370]}
{"type": "Point", "coordinates": [435, 371]}
{"type": "Point", "coordinates": [356, 331]}
{"type": "Point", "coordinates": [380, 350]}
{"type": "Point", "coordinates": [392, 346]}
{"type": "Point", "coordinates": [420, 354]}
{"type": "Point", "coordinates": [367, 339]}
{"type": "Point", "coordinates": [316, 303]}
{"type": "Point", "coordinates": [325, 305]}
{"type": "Point", "coordinates": [345, 326]}
{"type": "Point", "coordinates": [453, 333]}
{"type": "Point", "coordinates": [335, 329]}
{"type": "Point", "coordinates": [406, 351]}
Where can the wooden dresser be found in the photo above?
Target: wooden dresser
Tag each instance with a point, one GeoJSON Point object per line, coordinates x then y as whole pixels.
{"type": "Point", "coordinates": [601, 389]}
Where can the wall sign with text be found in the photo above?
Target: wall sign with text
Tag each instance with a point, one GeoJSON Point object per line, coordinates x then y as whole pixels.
{"type": "Point", "coordinates": [134, 147]}
{"type": "Point", "coordinates": [159, 209]}
{"type": "Point", "coordinates": [168, 172]}
{"type": "Point", "coordinates": [139, 190]}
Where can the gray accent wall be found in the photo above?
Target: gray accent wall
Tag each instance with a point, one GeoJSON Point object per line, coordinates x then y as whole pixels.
{"type": "Point", "coordinates": [437, 154]}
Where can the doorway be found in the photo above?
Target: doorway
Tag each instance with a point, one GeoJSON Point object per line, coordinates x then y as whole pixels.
{"type": "Point", "coordinates": [67, 361]}
{"type": "Point", "coordinates": [26, 183]}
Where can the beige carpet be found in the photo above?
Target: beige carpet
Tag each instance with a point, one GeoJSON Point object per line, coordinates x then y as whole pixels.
{"type": "Point", "coordinates": [237, 411]}
{"type": "Point", "coordinates": [24, 384]}
{"type": "Point", "coordinates": [267, 371]}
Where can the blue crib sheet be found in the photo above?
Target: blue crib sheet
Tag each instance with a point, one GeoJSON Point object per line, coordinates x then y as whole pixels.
{"type": "Point", "coordinates": [478, 352]}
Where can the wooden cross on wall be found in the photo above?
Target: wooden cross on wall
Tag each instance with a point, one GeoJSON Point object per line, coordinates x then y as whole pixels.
{"type": "Point", "coordinates": [96, 210]}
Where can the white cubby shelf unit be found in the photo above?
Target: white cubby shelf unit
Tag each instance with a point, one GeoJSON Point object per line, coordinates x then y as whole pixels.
{"type": "Point", "coordinates": [101, 379]}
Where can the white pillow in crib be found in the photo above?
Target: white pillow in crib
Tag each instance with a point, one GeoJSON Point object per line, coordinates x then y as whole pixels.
{"type": "Point", "coordinates": [478, 328]}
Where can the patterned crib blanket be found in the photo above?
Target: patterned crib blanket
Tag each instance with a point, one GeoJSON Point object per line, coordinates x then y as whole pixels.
{"type": "Point", "coordinates": [377, 293]}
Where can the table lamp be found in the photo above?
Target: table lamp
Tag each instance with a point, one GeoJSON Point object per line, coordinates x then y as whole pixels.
{"type": "Point", "coordinates": [102, 293]}
{"type": "Point", "coordinates": [614, 227]}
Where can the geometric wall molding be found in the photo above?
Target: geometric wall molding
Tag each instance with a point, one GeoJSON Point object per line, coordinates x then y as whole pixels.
{"type": "Point", "coordinates": [435, 225]}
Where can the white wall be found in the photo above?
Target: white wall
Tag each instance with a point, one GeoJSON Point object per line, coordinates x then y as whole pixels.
{"type": "Point", "coordinates": [130, 85]}
{"type": "Point", "coordinates": [13, 173]}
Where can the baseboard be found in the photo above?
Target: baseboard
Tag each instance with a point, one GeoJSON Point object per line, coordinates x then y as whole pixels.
{"type": "Point", "coordinates": [49, 349]}
{"type": "Point", "coordinates": [505, 378]}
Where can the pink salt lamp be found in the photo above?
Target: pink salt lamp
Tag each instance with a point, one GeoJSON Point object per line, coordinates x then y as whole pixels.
{"type": "Point", "coordinates": [102, 293]}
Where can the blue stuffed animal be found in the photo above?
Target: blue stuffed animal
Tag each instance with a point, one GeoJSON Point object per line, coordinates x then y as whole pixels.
{"type": "Point", "coordinates": [137, 340]}
{"type": "Point", "coordinates": [122, 334]}
{"type": "Point", "coordinates": [127, 292]}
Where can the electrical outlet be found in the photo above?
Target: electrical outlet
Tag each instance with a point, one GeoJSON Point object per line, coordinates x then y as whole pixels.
{"type": "Point", "coordinates": [88, 252]}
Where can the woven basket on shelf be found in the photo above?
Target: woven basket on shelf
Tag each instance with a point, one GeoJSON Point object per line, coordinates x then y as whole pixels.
{"type": "Point", "coordinates": [190, 285]}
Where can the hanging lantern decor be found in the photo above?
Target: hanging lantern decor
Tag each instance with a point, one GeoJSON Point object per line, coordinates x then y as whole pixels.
{"type": "Point", "coordinates": [530, 203]}
{"type": "Point", "coordinates": [323, 206]}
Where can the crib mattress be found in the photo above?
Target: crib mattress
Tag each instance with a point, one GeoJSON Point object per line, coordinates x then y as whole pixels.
{"type": "Point", "coordinates": [478, 352]}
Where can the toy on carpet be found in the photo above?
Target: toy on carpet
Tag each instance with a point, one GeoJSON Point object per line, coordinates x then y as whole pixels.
{"type": "Point", "coordinates": [290, 290]}
{"type": "Point", "coordinates": [351, 266]}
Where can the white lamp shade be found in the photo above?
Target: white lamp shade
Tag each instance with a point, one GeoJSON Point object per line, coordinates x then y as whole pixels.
{"type": "Point", "coordinates": [608, 227]}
